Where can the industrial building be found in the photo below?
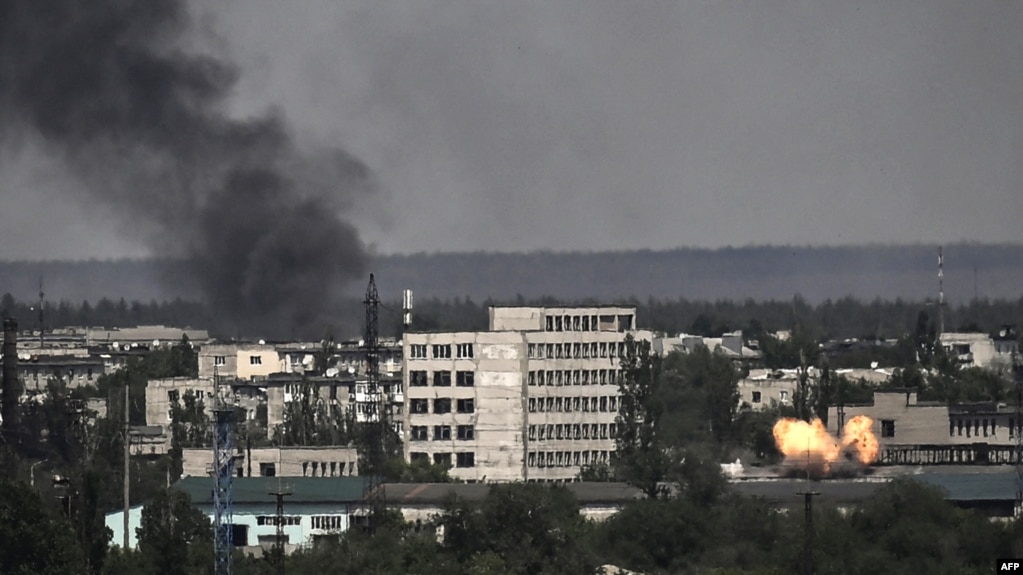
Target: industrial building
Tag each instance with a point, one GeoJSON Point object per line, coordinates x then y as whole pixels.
{"type": "Point", "coordinates": [533, 398]}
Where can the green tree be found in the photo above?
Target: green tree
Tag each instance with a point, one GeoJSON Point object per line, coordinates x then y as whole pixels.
{"type": "Point", "coordinates": [175, 538]}
{"type": "Point", "coordinates": [33, 540]}
{"type": "Point", "coordinates": [639, 457]}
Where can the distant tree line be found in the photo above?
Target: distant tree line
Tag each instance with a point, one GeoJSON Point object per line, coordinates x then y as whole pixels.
{"type": "Point", "coordinates": [831, 319]}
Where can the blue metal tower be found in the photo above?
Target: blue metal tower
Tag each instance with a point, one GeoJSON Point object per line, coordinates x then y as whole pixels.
{"type": "Point", "coordinates": [223, 468]}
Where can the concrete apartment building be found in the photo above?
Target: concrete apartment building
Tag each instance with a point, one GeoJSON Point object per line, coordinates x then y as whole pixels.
{"type": "Point", "coordinates": [533, 398]}
{"type": "Point", "coordinates": [982, 350]}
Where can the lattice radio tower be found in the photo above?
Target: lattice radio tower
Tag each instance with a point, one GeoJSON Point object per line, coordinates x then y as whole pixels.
{"type": "Point", "coordinates": [223, 468]}
{"type": "Point", "coordinates": [380, 412]}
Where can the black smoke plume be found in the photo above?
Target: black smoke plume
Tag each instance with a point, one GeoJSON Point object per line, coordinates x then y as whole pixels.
{"type": "Point", "coordinates": [108, 87]}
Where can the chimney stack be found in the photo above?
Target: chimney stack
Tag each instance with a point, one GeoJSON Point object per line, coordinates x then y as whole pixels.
{"type": "Point", "coordinates": [11, 384]}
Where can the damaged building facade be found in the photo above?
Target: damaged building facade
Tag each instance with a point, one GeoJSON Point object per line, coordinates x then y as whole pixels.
{"type": "Point", "coordinates": [533, 398]}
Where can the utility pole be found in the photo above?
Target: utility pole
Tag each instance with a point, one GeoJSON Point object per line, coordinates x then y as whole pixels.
{"type": "Point", "coordinates": [127, 465]}
{"type": "Point", "coordinates": [279, 495]}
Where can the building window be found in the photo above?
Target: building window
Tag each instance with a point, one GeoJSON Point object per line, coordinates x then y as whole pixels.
{"type": "Point", "coordinates": [442, 405]}
{"type": "Point", "coordinates": [465, 379]}
{"type": "Point", "coordinates": [442, 351]}
{"type": "Point", "coordinates": [419, 457]}
{"type": "Point", "coordinates": [267, 469]}
{"type": "Point", "coordinates": [417, 379]}
{"type": "Point", "coordinates": [219, 360]}
{"type": "Point", "coordinates": [172, 395]}
{"type": "Point", "coordinates": [419, 406]}
{"type": "Point", "coordinates": [550, 323]}
{"type": "Point", "coordinates": [887, 428]}
{"type": "Point", "coordinates": [442, 378]}
{"type": "Point", "coordinates": [756, 397]}
{"type": "Point", "coordinates": [441, 432]}
{"type": "Point", "coordinates": [466, 432]}
{"type": "Point", "coordinates": [442, 459]}
{"type": "Point", "coordinates": [464, 351]}
{"type": "Point", "coordinates": [467, 459]}
{"type": "Point", "coordinates": [417, 351]}
{"type": "Point", "coordinates": [467, 405]}
{"type": "Point", "coordinates": [783, 396]}
{"type": "Point", "coordinates": [255, 360]}
{"type": "Point", "coordinates": [419, 433]}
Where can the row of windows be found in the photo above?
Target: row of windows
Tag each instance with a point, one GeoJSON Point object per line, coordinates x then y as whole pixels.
{"type": "Point", "coordinates": [588, 322]}
{"type": "Point", "coordinates": [328, 522]}
{"type": "Point", "coordinates": [757, 397]}
{"type": "Point", "coordinates": [575, 377]}
{"type": "Point", "coordinates": [440, 351]}
{"type": "Point", "coordinates": [272, 520]}
{"type": "Point", "coordinates": [462, 459]}
{"type": "Point", "coordinates": [572, 431]}
{"type": "Point", "coordinates": [442, 432]}
{"type": "Point", "coordinates": [594, 349]}
{"type": "Point", "coordinates": [605, 403]}
{"type": "Point", "coordinates": [441, 378]}
{"type": "Point", "coordinates": [442, 405]}
{"type": "Point", "coordinates": [566, 458]}
{"type": "Point", "coordinates": [976, 427]}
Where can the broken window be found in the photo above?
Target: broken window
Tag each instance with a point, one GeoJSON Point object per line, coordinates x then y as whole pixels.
{"type": "Point", "coordinates": [576, 323]}
{"type": "Point", "coordinates": [531, 351]}
{"type": "Point", "coordinates": [417, 351]}
{"type": "Point", "coordinates": [442, 405]}
{"type": "Point", "coordinates": [756, 397]}
{"type": "Point", "coordinates": [532, 432]}
{"type": "Point", "coordinates": [550, 323]}
{"type": "Point", "coordinates": [419, 433]}
{"type": "Point", "coordinates": [466, 432]}
{"type": "Point", "coordinates": [464, 351]}
{"type": "Point", "coordinates": [887, 428]}
{"type": "Point", "coordinates": [418, 457]}
{"type": "Point", "coordinates": [417, 379]}
{"type": "Point", "coordinates": [467, 459]}
{"type": "Point", "coordinates": [442, 351]}
{"type": "Point", "coordinates": [466, 405]}
{"type": "Point", "coordinates": [465, 379]}
{"type": "Point", "coordinates": [603, 403]}
{"type": "Point", "coordinates": [442, 379]}
{"type": "Point", "coordinates": [624, 322]}
{"type": "Point", "coordinates": [442, 459]}
{"type": "Point", "coordinates": [607, 323]}
{"type": "Point", "coordinates": [441, 432]}
{"type": "Point", "coordinates": [532, 404]}
{"type": "Point", "coordinates": [531, 459]}
{"type": "Point", "coordinates": [419, 406]}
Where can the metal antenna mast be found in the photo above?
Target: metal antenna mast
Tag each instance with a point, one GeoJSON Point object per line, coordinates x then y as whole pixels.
{"type": "Point", "coordinates": [223, 468]}
{"type": "Point", "coordinates": [379, 419]}
{"type": "Point", "coordinates": [941, 292]}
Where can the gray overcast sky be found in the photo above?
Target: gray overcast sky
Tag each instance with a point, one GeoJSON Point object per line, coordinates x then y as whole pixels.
{"type": "Point", "coordinates": [602, 124]}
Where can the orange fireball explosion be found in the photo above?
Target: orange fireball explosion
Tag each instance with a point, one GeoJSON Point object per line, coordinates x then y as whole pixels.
{"type": "Point", "coordinates": [810, 442]}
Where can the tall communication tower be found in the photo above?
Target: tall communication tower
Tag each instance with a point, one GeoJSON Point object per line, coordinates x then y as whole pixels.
{"type": "Point", "coordinates": [223, 467]}
{"type": "Point", "coordinates": [378, 416]}
{"type": "Point", "coordinates": [941, 292]}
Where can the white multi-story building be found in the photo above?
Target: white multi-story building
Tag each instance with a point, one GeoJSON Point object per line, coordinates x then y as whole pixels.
{"type": "Point", "coordinates": [534, 398]}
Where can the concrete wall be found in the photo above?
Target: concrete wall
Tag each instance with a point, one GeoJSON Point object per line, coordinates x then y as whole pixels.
{"type": "Point", "coordinates": [328, 461]}
{"type": "Point", "coordinates": [158, 392]}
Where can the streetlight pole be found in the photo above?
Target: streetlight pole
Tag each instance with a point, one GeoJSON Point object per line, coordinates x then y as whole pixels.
{"type": "Point", "coordinates": [32, 472]}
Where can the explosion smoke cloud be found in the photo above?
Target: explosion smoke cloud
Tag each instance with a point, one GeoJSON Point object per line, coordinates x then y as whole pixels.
{"type": "Point", "coordinates": [808, 445]}
{"type": "Point", "coordinates": [108, 88]}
